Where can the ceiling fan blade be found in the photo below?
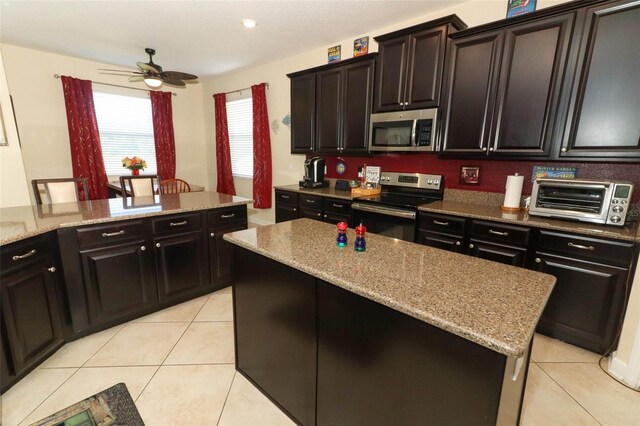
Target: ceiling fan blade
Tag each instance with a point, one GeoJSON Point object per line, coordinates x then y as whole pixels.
{"type": "Point", "coordinates": [136, 78]}
{"type": "Point", "coordinates": [116, 73]}
{"type": "Point", "coordinates": [173, 82]}
{"type": "Point", "coordinates": [107, 69]}
{"type": "Point", "coordinates": [147, 68]}
{"type": "Point", "coordinates": [179, 75]}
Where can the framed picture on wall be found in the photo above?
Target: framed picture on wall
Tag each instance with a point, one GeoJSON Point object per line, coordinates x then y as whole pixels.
{"type": "Point", "coordinates": [469, 175]}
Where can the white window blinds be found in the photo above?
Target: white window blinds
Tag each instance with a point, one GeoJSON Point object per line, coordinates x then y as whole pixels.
{"type": "Point", "coordinates": [240, 122]}
{"type": "Point", "coordinates": [126, 130]}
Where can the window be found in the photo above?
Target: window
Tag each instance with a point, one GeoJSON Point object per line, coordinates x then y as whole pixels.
{"type": "Point", "coordinates": [126, 130]}
{"type": "Point", "coordinates": [240, 122]}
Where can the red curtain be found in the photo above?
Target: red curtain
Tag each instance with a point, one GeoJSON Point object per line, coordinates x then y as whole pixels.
{"type": "Point", "coordinates": [261, 149]}
{"type": "Point", "coordinates": [163, 134]}
{"type": "Point", "coordinates": [84, 137]}
{"type": "Point", "coordinates": [223, 152]}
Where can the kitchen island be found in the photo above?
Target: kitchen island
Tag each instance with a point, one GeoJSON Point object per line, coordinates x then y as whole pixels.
{"type": "Point", "coordinates": [398, 334]}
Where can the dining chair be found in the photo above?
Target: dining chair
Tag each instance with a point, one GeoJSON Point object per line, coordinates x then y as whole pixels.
{"type": "Point", "coordinates": [60, 190]}
{"type": "Point", "coordinates": [139, 186]}
{"type": "Point", "coordinates": [174, 186]}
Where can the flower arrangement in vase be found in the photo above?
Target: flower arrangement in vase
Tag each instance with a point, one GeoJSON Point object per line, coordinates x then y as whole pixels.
{"type": "Point", "coordinates": [134, 164]}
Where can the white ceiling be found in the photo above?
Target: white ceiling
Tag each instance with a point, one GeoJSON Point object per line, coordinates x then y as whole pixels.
{"type": "Point", "coordinates": [205, 38]}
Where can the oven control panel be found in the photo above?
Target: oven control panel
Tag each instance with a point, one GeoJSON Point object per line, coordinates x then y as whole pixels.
{"type": "Point", "coordinates": [412, 180]}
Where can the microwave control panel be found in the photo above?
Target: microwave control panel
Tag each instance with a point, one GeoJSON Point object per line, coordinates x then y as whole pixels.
{"type": "Point", "coordinates": [424, 132]}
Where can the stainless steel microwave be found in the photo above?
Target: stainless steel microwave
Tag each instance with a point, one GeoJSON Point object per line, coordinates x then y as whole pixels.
{"type": "Point", "coordinates": [409, 131]}
{"type": "Point", "coordinates": [595, 201]}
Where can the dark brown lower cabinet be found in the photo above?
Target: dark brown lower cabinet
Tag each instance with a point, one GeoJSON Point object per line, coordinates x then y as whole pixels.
{"type": "Point", "coordinates": [181, 265]}
{"type": "Point", "coordinates": [119, 281]}
{"type": "Point", "coordinates": [442, 241]}
{"type": "Point", "coordinates": [586, 305]}
{"type": "Point", "coordinates": [510, 255]}
{"type": "Point", "coordinates": [310, 213]}
{"type": "Point", "coordinates": [221, 256]}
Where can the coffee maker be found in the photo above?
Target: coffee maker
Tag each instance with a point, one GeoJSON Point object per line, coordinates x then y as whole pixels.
{"type": "Point", "coordinates": [314, 173]}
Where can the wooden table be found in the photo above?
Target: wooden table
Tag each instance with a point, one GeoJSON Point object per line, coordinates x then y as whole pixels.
{"type": "Point", "coordinates": [116, 191]}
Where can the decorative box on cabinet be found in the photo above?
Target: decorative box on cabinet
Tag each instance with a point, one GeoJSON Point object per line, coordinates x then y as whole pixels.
{"type": "Point", "coordinates": [410, 65]}
{"type": "Point", "coordinates": [31, 326]}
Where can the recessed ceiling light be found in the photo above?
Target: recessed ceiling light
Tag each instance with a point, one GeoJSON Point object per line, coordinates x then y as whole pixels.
{"type": "Point", "coordinates": [249, 23]}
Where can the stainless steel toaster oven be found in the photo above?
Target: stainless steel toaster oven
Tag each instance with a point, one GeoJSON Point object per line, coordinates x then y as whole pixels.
{"type": "Point", "coordinates": [605, 202]}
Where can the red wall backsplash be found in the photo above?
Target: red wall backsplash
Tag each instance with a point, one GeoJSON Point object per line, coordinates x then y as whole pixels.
{"type": "Point", "coordinates": [493, 174]}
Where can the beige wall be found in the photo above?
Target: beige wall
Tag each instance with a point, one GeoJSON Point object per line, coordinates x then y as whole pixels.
{"type": "Point", "coordinates": [42, 121]}
{"type": "Point", "coordinates": [631, 327]}
{"type": "Point", "coordinates": [287, 168]}
{"type": "Point", "coordinates": [13, 183]}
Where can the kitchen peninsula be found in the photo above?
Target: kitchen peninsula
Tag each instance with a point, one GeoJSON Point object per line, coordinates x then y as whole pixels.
{"type": "Point", "coordinates": [398, 334]}
{"type": "Point", "coordinates": [72, 269]}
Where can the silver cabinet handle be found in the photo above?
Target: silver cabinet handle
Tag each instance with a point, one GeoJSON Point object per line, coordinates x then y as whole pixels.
{"type": "Point", "coordinates": [325, 216]}
{"type": "Point", "coordinates": [184, 222]}
{"type": "Point", "coordinates": [502, 234]}
{"type": "Point", "coordinates": [457, 243]}
{"type": "Point", "coordinates": [212, 234]}
{"type": "Point", "coordinates": [484, 148]}
{"type": "Point", "coordinates": [143, 248]}
{"type": "Point", "coordinates": [295, 210]}
{"type": "Point", "coordinates": [286, 197]}
{"type": "Point", "coordinates": [491, 149]}
{"type": "Point", "coordinates": [563, 150]}
{"type": "Point", "coordinates": [340, 206]}
{"type": "Point", "coordinates": [310, 201]}
{"type": "Point", "coordinates": [581, 247]}
{"type": "Point", "coordinates": [158, 245]}
{"type": "Point", "coordinates": [471, 246]}
{"type": "Point", "coordinates": [228, 216]}
{"type": "Point", "coordinates": [319, 214]}
{"type": "Point", "coordinates": [437, 222]}
{"type": "Point", "coordinates": [52, 269]}
{"type": "Point", "coordinates": [24, 256]}
{"type": "Point", "coordinates": [113, 234]}
{"type": "Point", "coordinates": [538, 260]}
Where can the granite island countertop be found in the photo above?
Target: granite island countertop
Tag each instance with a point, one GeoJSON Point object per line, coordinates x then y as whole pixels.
{"type": "Point", "coordinates": [629, 232]}
{"type": "Point", "coordinates": [17, 223]}
{"type": "Point", "coordinates": [494, 305]}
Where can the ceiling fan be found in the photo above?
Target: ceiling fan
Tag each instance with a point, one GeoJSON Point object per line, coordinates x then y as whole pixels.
{"type": "Point", "coordinates": [153, 75]}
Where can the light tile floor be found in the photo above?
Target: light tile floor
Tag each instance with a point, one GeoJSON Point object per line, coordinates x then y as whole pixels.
{"type": "Point", "coordinates": [178, 365]}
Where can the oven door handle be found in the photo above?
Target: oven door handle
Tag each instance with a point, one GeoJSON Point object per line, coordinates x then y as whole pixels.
{"type": "Point", "coordinates": [389, 211]}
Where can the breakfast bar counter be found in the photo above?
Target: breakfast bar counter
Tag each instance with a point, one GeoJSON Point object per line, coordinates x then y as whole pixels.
{"type": "Point", "coordinates": [346, 327]}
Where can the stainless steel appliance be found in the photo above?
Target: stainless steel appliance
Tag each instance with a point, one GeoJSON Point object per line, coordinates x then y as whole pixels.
{"type": "Point", "coordinates": [394, 212]}
{"type": "Point", "coordinates": [314, 173]}
{"type": "Point", "coordinates": [605, 202]}
{"type": "Point", "coordinates": [412, 131]}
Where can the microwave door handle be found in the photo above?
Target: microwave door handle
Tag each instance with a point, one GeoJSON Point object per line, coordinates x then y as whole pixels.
{"type": "Point", "coordinates": [413, 133]}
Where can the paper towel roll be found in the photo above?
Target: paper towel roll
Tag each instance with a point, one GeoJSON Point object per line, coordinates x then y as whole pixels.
{"type": "Point", "coordinates": [513, 191]}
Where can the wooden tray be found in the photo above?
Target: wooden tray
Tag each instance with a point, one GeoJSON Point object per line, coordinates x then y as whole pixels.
{"type": "Point", "coordinates": [363, 192]}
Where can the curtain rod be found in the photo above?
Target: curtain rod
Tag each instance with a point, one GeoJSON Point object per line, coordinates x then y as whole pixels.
{"type": "Point", "coordinates": [244, 88]}
{"type": "Point", "coordinates": [118, 85]}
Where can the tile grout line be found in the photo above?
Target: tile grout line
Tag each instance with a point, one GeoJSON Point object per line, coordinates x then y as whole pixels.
{"type": "Point", "coordinates": [105, 344]}
{"type": "Point", "coordinates": [235, 373]}
{"type": "Point", "coordinates": [569, 393]}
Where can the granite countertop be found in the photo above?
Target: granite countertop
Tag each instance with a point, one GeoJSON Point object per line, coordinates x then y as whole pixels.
{"type": "Point", "coordinates": [17, 223]}
{"type": "Point", "coordinates": [493, 213]}
{"type": "Point", "coordinates": [494, 305]}
{"type": "Point", "coordinates": [329, 191]}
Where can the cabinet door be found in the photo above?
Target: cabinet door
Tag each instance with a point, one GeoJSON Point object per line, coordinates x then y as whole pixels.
{"type": "Point", "coordinates": [510, 255]}
{"type": "Point", "coordinates": [328, 110]}
{"type": "Point", "coordinates": [603, 117]}
{"type": "Point", "coordinates": [221, 256]}
{"type": "Point", "coordinates": [391, 74]}
{"type": "Point", "coordinates": [7, 373]}
{"type": "Point", "coordinates": [586, 303]}
{"type": "Point", "coordinates": [119, 281]}
{"type": "Point", "coordinates": [310, 213]}
{"type": "Point", "coordinates": [303, 113]}
{"type": "Point", "coordinates": [335, 218]}
{"type": "Point", "coordinates": [285, 212]}
{"type": "Point", "coordinates": [31, 315]}
{"type": "Point", "coordinates": [442, 241]}
{"type": "Point", "coordinates": [357, 94]}
{"type": "Point", "coordinates": [181, 265]}
{"type": "Point", "coordinates": [424, 68]}
{"type": "Point", "coordinates": [471, 84]}
{"type": "Point", "coordinates": [533, 64]}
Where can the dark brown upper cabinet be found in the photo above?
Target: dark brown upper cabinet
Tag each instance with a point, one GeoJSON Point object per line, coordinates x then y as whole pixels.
{"type": "Point", "coordinates": [503, 88]}
{"type": "Point", "coordinates": [336, 112]}
{"type": "Point", "coordinates": [303, 113]}
{"type": "Point", "coordinates": [410, 65]}
{"type": "Point", "coordinates": [603, 122]}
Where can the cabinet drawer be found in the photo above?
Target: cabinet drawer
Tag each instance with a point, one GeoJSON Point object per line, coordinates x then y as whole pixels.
{"type": "Point", "coordinates": [310, 201]}
{"type": "Point", "coordinates": [333, 205]}
{"type": "Point", "coordinates": [443, 223]}
{"type": "Point", "coordinates": [227, 216]}
{"type": "Point", "coordinates": [178, 223]}
{"type": "Point", "coordinates": [106, 234]}
{"type": "Point", "coordinates": [586, 248]}
{"type": "Point", "coordinates": [23, 253]}
{"type": "Point", "coordinates": [284, 197]}
{"type": "Point", "coordinates": [500, 233]}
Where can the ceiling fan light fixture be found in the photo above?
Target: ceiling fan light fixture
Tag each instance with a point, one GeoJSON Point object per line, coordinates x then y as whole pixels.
{"type": "Point", "coordinates": [153, 82]}
{"type": "Point", "coordinates": [249, 23]}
